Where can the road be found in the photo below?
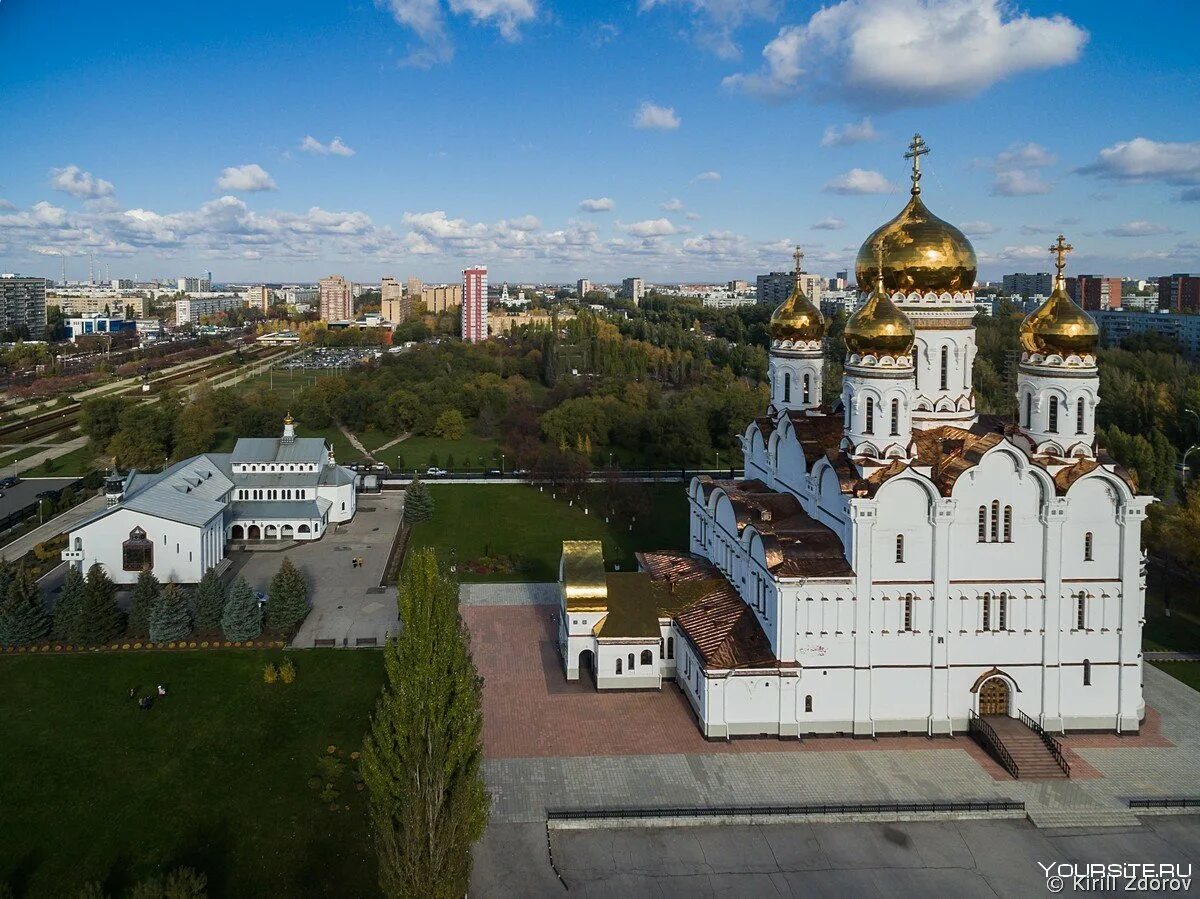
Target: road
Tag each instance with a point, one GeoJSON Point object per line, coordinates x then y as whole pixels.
{"type": "Point", "coordinates": [54, 526]}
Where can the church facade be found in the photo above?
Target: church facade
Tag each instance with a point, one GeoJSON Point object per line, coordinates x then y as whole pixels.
{"type": "Point", "coordinates": [893, 561]}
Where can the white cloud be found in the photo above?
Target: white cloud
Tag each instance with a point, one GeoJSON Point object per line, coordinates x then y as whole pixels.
{"type": "Point", "coordinates": [650, 116]}
{"type": "Point", "coordinates": [506, 16]}
{"type": "Point", "coordinates": [1019, 183]}
{"type": "Point", "coordinates": [605, 33]}
{"type": "Point", "coordinates": [599, 204]}
{"type": "Point", "coordinates": [1137, 229]}
{"type": "Point", "coordinates": [80, 184]}
{"type": "Point", "coordinates": [978, 228]}
{"type": "Point", "coordinates": [5, 205]}
{"type": "Point", "coordinates": [707, 176]}
{"type": "Point", "coordinates": [650, 228]}
{"type": "Point", "coordinates": [427, 19]}
{"type": "Point", "coordinates": [334, 148]}
{"type": "Point", "coordinates": [1023, 253]}
{"type": "Point", "coordinates": [249, 178]}
{"type": "Point", "coordinates": [672, 205]}
{"type": "Point", "coordinates": [860, 181]}
{"type": "Point", "coordinates": [693, 216]}
{"type": "Point", "coordinates": [1142, 159]}
{"type": "Point", "coordinates": [714, 21]}
{"type": "Point", "coordinates": [1028, 155]}
{"type": "Point", "coordinates": [851, 133]}
{"type": "Point", "coordinates": [883, 54]}
{"type": "Point", "coordinates": [830, 224]}
{"type": "Point", "coordinates": [523, 223]}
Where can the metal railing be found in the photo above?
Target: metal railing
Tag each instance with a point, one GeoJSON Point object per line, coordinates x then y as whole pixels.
{"type": "Point", "coordinates": [1052, 744]}
{"type": "Point", "coordinates": [986, 737]}
{"type": "Point", "coordinates": [1166, 802]}
{"type": "Point", "coordinates": [824, 808]}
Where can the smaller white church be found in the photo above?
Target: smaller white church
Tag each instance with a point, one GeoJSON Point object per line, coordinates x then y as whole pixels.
{"type": "Point", "coordinates": [177, 522]}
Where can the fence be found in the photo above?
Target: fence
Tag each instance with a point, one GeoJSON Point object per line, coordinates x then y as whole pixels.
{"type": "Point", "coordinates": [397, 480]}
{"type": "Point", "coordinates": [1166, 802]}
{"type": "Point", "coordinates": [824, 808]}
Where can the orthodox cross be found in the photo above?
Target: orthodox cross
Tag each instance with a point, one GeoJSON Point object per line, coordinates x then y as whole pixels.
{"type": "Point", "coordinates": [799, 257]}
{"type": "Point", "coordinates": [916, 150]}
{"type": "Point", "coordinates": [1060, 249]}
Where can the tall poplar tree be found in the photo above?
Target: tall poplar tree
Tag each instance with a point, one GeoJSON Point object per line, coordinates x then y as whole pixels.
{"type": "Point", "coordinates": [423, 756]}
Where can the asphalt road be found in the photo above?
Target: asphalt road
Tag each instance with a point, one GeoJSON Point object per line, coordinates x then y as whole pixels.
{"type": "Point", "coordinates": [917, 859]}
{"type": "Point", "coordinates": [25, 493]}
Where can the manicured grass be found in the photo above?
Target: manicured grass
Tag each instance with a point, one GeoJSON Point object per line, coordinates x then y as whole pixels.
{"type": "Point", "coordinates": [1188, 672]}
{"type": "Point", "coordinates": [372, 439]}
{"type": "Point", "coordinates": [343, 451]}
{"type": "Point", "coordinates": [466, 452]}
{"type": "Point", "coordinates": [518, 520]}
{"type": "Point", "coordinates": [287, 382]}
{"type": "Point", "coordinates": [75, 463]}
{"type": "Point", "coordinates": [214, 776]}
{"type": "Point", "coordinates": [25, 453]}
{"type": "Point", "coordinates": [1180, 632]}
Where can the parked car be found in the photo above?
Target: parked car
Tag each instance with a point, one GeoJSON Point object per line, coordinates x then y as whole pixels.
{"type": "Point", "coordinates": [435, 472]}
{"type": "Point", "coordinates": [10, 481]}
{"type": "Point", "coordinates": [47, 494]}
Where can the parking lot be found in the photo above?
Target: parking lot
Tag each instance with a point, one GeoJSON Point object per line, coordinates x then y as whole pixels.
{"type": "Point", "coordinates": [25, 493]}
{"type": "Point", "coordinates": [319, 358]}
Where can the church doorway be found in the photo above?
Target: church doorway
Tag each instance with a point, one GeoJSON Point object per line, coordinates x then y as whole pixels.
{"type": "Point", "coordinates": [993, 697]}
{"type": "Point", "coordinates": [253, 532]}
{"type": "Point", "coordinates": [587, 665]}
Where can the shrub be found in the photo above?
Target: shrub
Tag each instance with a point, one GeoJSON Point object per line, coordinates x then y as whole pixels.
{"type": "Point", "coordinates": [270, 673]}
{"type": "Point", "coordinates": [287, 672]}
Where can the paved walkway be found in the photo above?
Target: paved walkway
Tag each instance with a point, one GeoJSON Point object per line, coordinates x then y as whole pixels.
{"type": "Point", "coordinates": [508, 594]}
{"type": "Point", "coordinates": [52, 528]}
{"type": "Point", "coordinates": [31, 462]}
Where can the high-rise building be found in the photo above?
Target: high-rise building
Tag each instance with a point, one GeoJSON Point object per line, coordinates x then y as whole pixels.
{"type": "Point", "coordinates": [195, 285]}
{"type": "Point", "coordinates": [415, 287]}
{"type": "Point", "coordinates": [738, 286]}
{"type": "Point", "coordinates": [1023, 284]}
{"type": "Point", "coordinates": [337, 299]}
{"type": "Point", "coordinates": [582, 286]}
{"type": "Point", "coordinates": [122, 283]}
{"type": "Point", "coordinates": [1095, 292]}
{"type": "Point", "coordinates": [1179, 293]}
{"type": "Point", "coordinates": [773, 288]}
{"type": "Point", "coordinates": [442, 297]}
{"type": "Point", "coordinates": [259, 297]}
{"type": "Point", "coordinates": [22, 306]}
{"type": "Point", "coordinates": [474, 304]}
{"type": "Point", "coordinates": [394, 305]}
{"type": "Point", "coordinates": [633, 289]}
{"type": "Point", "coordinates": [193, 309]}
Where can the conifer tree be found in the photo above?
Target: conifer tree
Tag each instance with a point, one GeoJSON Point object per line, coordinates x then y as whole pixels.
{"type": "Point", "coordinates": [242, 618]}
{"type": "Point", "coordinates": [145, 596]}
{"type": "Point", "coordinates": [287, 602]}
{"type": "Point", "coordinates": [423, 755]}
{"type": "Point", "coordinates": [70, 601]}
{"type": "Point", "coordinates": [170, 618]}
{"type": "Point", "coordinates": [99, 619]}
{"type": "Point", "coordinates": [418, 502]}
{"type": "Point", "coordinates": [210, 601]}
{"type": "Point", "coordinates": [23, 618]}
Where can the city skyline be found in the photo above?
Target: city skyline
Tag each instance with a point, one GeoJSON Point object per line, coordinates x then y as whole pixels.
{"type": "Point", "coordinates": [738, 131]}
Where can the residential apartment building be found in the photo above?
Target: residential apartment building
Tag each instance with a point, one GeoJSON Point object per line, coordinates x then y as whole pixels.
{"type": "Point", "coordinates": [582, 286]}
{"type": "Point", "coordinates": [1179, 293]}
{"type": "Point", "coordinates": [775, 287]}
{"type": "Point", "coordinates": [633, 289]}
{"type": "Point", "coordinates": [336, 299]}
{"type": "Point", "coordinates": [1095, 292]}
{"type": "Point", "coordinates": [259, 297]}
{"type": "Point", "coordinates": [22, 306]}
{"type": "Point", "coordinates": [474, 304]}
{"type": "Point", "coordinates": [415, 287]}
{"type": "Point", "coordinates": [195, 285]}
{"type": "Point", "coordinates": [99, 302]}
{"type": "Point", "coordinates": [301, 296]}
{"type": "Point", "coordinates": [393, 304]}
{"type": "Point", "coordinates": [191, 310]}
{"type": "Point", "coordinates": [1116, 324]}
{"type": "Point", "coordinates": [1025, 285]}
{"type": "Point", "coordinates": [441, 298]}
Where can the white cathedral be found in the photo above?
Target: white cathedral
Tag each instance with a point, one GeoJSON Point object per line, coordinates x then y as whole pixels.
{"type": "Point", "coordinates": [893, 561]}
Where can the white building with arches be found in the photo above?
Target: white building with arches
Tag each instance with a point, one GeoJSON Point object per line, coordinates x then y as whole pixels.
{"type": "Point", "coordinates": [892, 561]}
{"type": "Point", "coordinates": [178, 522]}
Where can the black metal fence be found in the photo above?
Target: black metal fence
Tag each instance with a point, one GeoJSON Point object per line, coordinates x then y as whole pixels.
{"type": "Point", "coordinates": [825, 808]}
{"type": "Point", "coordinates": [1166, 802]}
{"type": "Point", "coordinates": [396, 479]}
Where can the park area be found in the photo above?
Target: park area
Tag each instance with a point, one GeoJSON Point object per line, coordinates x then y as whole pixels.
{"type": "Point", "coordinates": [226, 774]}
{"type": "Point", "coordinates": [514, 532]}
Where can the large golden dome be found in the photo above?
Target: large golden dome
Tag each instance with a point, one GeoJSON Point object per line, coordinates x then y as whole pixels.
{"type": "Point", "coordinates": [797, 318]}
{"type": "Point", "coordinates": [879, 328]}
{"type": "Point", "coordinates": [1059, 326]}
{"type": "Point", "coordinates": [920, 251]}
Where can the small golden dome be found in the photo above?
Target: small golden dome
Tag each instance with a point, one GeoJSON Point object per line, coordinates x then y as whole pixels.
{"type": "Point", "coordinates": [879, 328]}
{"type": "Point", "coordinates": [797, 317]}
{"type": "Point", "coordinates": [923, 252]}
{"type": "Point", "coordinates": [1059, 326]}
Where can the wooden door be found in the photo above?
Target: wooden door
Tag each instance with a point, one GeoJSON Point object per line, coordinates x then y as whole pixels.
{"type": "Point", "coordinates": [993, 697]}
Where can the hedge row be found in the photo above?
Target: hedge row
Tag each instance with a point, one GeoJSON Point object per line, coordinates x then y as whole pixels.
{"type": "Point", "coordinates": [140, 646]}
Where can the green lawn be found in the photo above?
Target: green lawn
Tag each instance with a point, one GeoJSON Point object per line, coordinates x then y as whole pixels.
{"type": "Point", "coordinates": [517, 520]}
{"type": "Point", "coordinates": [1180, 632]}
{"type": "Point", "coordinates": [1188, 672]}
{"type": "Point", "coordinates": [466, 452]}
{"type": "Point", "coordinates": [25, 453]}
{"type": "Point", "coordinates": [342, 449]}
{"type": "Point", "coordinates": [214, 776]}
{"type": "Point", "coordinates": [75, 463]}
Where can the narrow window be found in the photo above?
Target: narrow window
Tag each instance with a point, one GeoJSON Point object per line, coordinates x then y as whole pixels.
{"type": "Point", "coordinates": [808, 703]}
{"type": "Point", "coordinates": [1087, 672]}
{"type": "Point", "coordinates": [1008, 524]}
{"type": "Point", "coordinates": [895, 417]}
{"type": "Point", "coordinates": [1052, 427]}
{"type": "Point", "coordinates": [995, 521]}
{"type": "Point", "coordinates": [983, 524]}
{"type": "Point", "coordinates": [908, 612]}
{"type": "Point", "coordinates": [1087, 547]}
{"type": "Point", "coordinates": [807, 391]}
{"type": "Point", "coordinates": [987, 611]}
{"type": "Point", "coordinates": [618, 665]}
{"type": "Point", "coordinates": [1003, 611]}
{"type": "Point", "coordinates": [1028, 409]}
{"type": "Point", "coordinates": [1081, 612]}
{"type": "Point", "coordinates": [631, 661]}
{"type": "Point", "coordinates": [1079, 410]}
{"type": "Point", "coordinates": [787, 386]}
{"type": "Point", "coordinates": [945, 366]}
{"type": "Point", "coordinates": [670, 647]}
{"type": "Point", "coordinates": [899, 547]}
{"type": "Point", "coordinates": [870, 428]}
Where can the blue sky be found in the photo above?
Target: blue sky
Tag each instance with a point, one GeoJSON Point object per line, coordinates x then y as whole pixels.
{"type": "Point", "coordinates": [672, 139]}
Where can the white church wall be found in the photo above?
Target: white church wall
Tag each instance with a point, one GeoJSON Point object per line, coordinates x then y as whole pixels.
{"type": "Point", "coordinates": [997, 479]}
{"type": "Point", "coordinates": [903, 511]}
{"type": "Point", "coordinates": [1092, 509]}
{"type": "Point", "coordinates": [179, 555]}
{"type": "Point", "coordinates": [620, 666]}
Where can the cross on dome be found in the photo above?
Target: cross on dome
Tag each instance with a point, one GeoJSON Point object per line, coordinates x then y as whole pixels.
{"type": "Point", "coordinates": [1060, 249]}
{"type": "Point", "coordinates": [799, 257]}
{"type": "Point", "coordinates": [916, 150]}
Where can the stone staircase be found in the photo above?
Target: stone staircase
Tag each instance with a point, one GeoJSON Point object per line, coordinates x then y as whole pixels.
{"type": "Point", "coordinates": [1033, 758]}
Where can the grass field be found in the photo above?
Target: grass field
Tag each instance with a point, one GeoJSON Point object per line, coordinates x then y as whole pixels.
{"type": "Point", "coordinates": [466, 452]}
{"type": "Point", "coordinates": [1188, 672]}
{"type": "Point", "coordinates": [75, 463]}
{"type": "Point", "coordinates": [517, 520]}
{"type": "Point", "coordinates": [214, 776]}
{"type": "Point", "coordinates": [9, 458]}
{"type": "Point", "coordinates": [1180, 632]}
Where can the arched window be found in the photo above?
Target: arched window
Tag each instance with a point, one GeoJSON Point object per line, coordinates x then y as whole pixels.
{"type": "Point", "coordinates": [1008, 524]}
{"type": "Point", "coordinates": [983, 524]}
{"type": "Point", "coordinates": [899, 547]}
{"type": "Point", "coordinates": [670, 647]}
{"type": "Point", "coordinates": [908, 612]}
{"type": "Point", "coordinates": [1028, 409]}
{"type": "Point", "coordinates": [807, 391]}
{"type": "Point", "coordinates": [995, 521]}
{"type": "Point", "coordinates": [618, 665]}
{"type": "Point", "coordinates": [1081, 611]}
{"type": "Point", "coordinates": [1087, 547]}
{"type": "Point", "coordinates": [647, 657]}
{"type": "Point", "coordinates": [987, 611]}
{"type": "Point", "coordinates": [945, 366]}
{"type": "Point", "coordinates": [787, 386]}
{"type": "Point", "coordinates": [808, 703]}
{"type": "Point", "coordinates": [895, 417]}
{"type": "Point", "coordinates": [870, 428]}
{"type": "Point", "coordinates": [1052, 426]}
{"type": "Point", "coordinates": [1003, 611]}
{"type": "Point", "coordinates": [1087, 672]}
{"type": "Point", "coordinates": [631, 661]}
{"type": "Point", "coordinates": [1079, 412]}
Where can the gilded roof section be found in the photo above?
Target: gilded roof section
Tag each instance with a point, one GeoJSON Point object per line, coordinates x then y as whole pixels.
{"type": "Point", "coordinates": [584, 583]}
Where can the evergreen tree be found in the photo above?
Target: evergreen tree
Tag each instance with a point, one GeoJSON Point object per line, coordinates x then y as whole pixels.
{"type": "Point", "coordinates": [287, 602]}
{"type": "Point", "coordinates": [8, 571]}
{"type": "Point", "coordinates": [242, 618]}
{"type": "Point", "coordinates": [418, 503]}
{"type": "Point", "coordinates": [170, 618]}
{"type": "Point", "coordinates": [182, 883]}
{"type": "Point", "coordinates": [210, 601]}
{"type": "Point", "coordinates": [23, 618]}
{"type": "Point", "coordinates": [145, 597]}
{"type": "Point", "coordinates": [99, 619]}
{"type": "Point", "coordinates": [423, 755]}
{"type": "Point", "coordinates": [70, 601]}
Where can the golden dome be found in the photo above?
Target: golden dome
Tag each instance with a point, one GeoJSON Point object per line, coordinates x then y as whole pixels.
{"type": "Point", "coordinates": [797, 317]}
{"type": "Point", "coordinates": [879, 328]}
{"type": "Point", "coordinates": [922, 252]}
{"type": "Point", "coordinates": [1059, 326]}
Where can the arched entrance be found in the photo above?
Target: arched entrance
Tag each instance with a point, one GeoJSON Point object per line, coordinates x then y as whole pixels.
{"type": "Point", "coordinates": [993, 697]}
{"type": "Point", "coordinates": [587, 663]}
{"type": "Point", "coordinates": [253, 532]}
{"type": "Point", "coordinates": [237, 533]}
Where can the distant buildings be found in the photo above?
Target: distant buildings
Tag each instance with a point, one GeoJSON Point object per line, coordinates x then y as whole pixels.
{"type": "Point", "coordinates": [474, 304]}
{"type": "Point", "coordinates": [22, 305]}
{"type": "Point", "coordinates": [582, 287]}
{"type": "Point", "coordinates": [1025, 285]}
{"type": "Point", "coordinates": [122, 283]}
{"type": "Point", "coordinates": [259, 297]}
{"type": "Point", "coordinates": [442, 297]}
{"type": "Point", "coordinates": [1179, 293]}
{"type": "Point", "coordinates": [738, 286]}
{"type": "Point", "coordinates": [95, 325]}
{"type": "Point", "coordinates": [1115, 325]}
{"type": "Point", "coordinates": [506, 300]}
{"type": "Point", "coordinates": [203, 284]}
{"type": "Point", "coordinates": [773, 288]}
{"type": "Point", "coordinates": [301, 296]}
{"type": "Point", "coordinates": [393, 304]}
{"type": "Point", "coordinates": [336, 299]}
{"type": "Point", "coordinates": [1095, 292]}
{"type": "Point", "coordinates": [79, 301]}
{"type": "Point", "coordinates": [190, 310]}
{"type": "Point", "coordinates": [633, 289]}
{"type": "Point", "coordinates": [415, 287]}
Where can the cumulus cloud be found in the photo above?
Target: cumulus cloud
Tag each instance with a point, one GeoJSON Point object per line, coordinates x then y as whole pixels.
{"type": "Point", "coordinates": [852, 133]}
{"type": "Point", "coordinates": [1137, 229]}
{"type": "Point", "coordinates": [652, 117]}
{"type": "Point", "coordinates": [427, 20]}
{"type": "Point", "coordinates": [334, 148]}
{"type": "Point", "coordinates": [1027, 155]}
{"type": "Point", "coordinates": [693, 216]}
{"type": "Point", "coordinates": [1023, 253]}
{"type": "Point", "coordinates": [599, 204]}
{"type": "Point", "coordinates": [80, 184]}
{"type": "Point", "coordinates": [250, 178]}
{"type": "Point", "coordinates": [672, 205]}
{"type": "Point", "coordinates": [713, 22]}
{"type": "Point", "coordinates": [830, 224]}
{"type": "Point", "coordinates": [707, 176]}
{"type": "Point", "coordinates": [1142, 159]}
{"type": "Point", "coordinates": [860, 181]}
{"type": "Point", "coordinates": [978, 228]}
{"type": "Point", "coordinates": [1019, 183]}
{"type": "Point", "coordinates": [650, 228]}
{"type": "Point", "coordinates": [885, 54]}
